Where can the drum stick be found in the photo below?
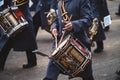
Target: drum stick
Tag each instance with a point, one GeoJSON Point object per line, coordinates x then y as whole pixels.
{"type": "Point", "coordinates": [62, 37]}
{"type": "Point", "coordinates": [56, 42]}
{"type": "Point", "coordinates": [41, 53]}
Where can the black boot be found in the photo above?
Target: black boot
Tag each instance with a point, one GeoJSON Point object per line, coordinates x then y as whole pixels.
{"type": "Point", "coordinates": [32, 61]}
{"type": "Point", "coordinates": [46, 79]}
{"type": "Point", "coordinates": [118, 72]}
{"type": "Point", "coordinates": [106, 28]}
{"type": "Point", "coordinates": [89, 78]}
{"type": "Point", "coordinates": [118, 14]}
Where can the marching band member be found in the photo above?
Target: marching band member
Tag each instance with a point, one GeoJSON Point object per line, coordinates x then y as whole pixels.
{"type": "Point", "coordinates": [97, 6]}
{"type": "Point", "coordinates": [80, 22]}
{"type": "Point", "coordinates": [39, 19]}
{"type": "Point", "coordinates": [24, 41]}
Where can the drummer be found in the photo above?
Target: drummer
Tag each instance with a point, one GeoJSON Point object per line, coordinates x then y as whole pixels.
{"type": "Point", "coordinates": [80, 13]}
{"type": "Point", "coordinates": [21, 42]}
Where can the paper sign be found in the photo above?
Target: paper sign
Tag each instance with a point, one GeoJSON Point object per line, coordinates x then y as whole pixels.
{"type": "Point", "coordinates": [30, 3]}
{"type": "Point", "coordinates": [107, 20]}
{"type": "Point", "coordinates": [1, 2]}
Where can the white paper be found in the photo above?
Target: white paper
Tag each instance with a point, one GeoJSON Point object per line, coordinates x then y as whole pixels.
{"type": "Point", "coordinates": [1, 2]}
{"type": "Point", "coordinates": [107, 20]}
{"type": "Point", "coordinates": [30, 3]}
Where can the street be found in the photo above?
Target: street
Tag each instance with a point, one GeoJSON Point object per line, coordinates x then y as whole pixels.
{"type": "Point", "coordinates": [104, 64]}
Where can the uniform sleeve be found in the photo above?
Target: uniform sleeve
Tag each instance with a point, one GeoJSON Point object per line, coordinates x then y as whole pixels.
{"type": "Point", "coordinates": [53, 4]}
{"type": "Point", "coordinates": [85, 19]}
{"type": "Point", "coordinates": [54, 25]}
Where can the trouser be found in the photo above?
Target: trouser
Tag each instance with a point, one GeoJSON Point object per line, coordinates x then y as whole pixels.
{"type": "Point", "coordinates": [3, 56]}
{"type": "Point", "coordinates": [31, 57]}
{"type": "Point", "coordinates": [99, 44]}
{"type": "Point", "coordinates": [53, 71]}
{"type": "Point", "coordinates": [56, 71]}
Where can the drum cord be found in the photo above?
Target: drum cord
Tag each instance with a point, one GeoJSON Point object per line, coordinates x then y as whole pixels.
{"type": "Point", "coordinates": [66, 18]}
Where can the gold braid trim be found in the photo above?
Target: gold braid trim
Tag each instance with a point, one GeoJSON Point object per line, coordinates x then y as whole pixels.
{"type": "Point", "coordinates": [64, 13]}
{"type": "Point", "coordinates": [20, 2]}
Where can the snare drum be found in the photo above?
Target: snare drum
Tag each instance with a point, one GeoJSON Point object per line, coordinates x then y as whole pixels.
{"type": "Point", "coordinates": [12, 21]}
{"type": "Point", "coordinates": [71, 56]}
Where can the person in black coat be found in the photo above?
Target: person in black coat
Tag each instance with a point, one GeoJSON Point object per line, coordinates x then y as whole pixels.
{"type": "Point", "coordinates": [23, 41]}
{"type": "Point", "coordinates": [39, 19]}
{"type": "Point", "coordinates": [99, 11]}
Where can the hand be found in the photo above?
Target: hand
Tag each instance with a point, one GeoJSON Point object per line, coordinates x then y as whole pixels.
{"type": "Point", "coordinates": [68, 26]}
{"type": "Point", "coordinates": [55, 33]}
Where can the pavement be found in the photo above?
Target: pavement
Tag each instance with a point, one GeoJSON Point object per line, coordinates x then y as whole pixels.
{"type": "Point", "coordinates": [104, 65]}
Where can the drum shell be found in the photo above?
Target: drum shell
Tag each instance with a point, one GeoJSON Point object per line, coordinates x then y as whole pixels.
{"type": "Point", "coordinates": [20, 30]}
{"type": "Point", "coordinates": [12, 21]}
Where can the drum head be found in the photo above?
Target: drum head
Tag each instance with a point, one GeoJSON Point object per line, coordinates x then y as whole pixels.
{"type": "Point", "coordinates": [60, 46]}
